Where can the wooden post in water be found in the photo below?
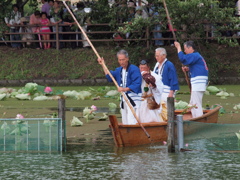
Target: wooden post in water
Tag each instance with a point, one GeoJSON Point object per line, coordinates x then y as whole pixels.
{"type": "Point", "coordinates": [170, 112]}
{"type": "Point", "coordinates": [61, 114]}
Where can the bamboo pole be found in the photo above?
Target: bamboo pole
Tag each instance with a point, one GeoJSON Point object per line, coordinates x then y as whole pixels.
{"type": "Point", "coordinates": [105, 68]}
{"type": "Point", "coordinates": [175, 39]}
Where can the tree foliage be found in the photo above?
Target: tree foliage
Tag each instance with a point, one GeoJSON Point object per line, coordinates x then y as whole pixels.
{"type": "Point", "coordinates": [197, 17]}
{"type": "Point", "coordinates": [192, 18]}
{"type": "Point", "coordinates": [6, 7]}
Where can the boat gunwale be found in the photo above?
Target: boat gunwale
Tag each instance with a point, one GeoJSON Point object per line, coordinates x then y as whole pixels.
{"type": "Point", "coordinates": [156, 124]}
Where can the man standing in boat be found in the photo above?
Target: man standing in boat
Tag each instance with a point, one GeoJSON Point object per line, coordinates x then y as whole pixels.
{"type": "Point", "coordinates": [198, 73]}
{"type": "Point", "coordinates": [129, 80]}
{"type": "Point", "coordinates": [152, 88]}
{"type": "Point", "coordinates": [167, 72]}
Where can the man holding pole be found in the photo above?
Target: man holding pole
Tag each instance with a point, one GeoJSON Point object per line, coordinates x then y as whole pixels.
{"type": "Point", "coordinates": [198, 73]}
{"type": "Point", "coordinates": [129, 80]}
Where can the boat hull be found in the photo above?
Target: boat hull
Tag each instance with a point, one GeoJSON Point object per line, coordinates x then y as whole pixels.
{"type": "Point", "coordinates": [133, 135]}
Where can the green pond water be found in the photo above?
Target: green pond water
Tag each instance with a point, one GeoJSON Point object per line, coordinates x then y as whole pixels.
{"type": "Point", "coordinates": [98, 158]}
{"type": "Point", "coordinates": [107, 162]}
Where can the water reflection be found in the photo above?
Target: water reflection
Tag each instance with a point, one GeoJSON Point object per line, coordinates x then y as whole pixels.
{"type": "Point", "coordinates": [96, 157]}
{"type": "Point", "coordinates": [108, 162]}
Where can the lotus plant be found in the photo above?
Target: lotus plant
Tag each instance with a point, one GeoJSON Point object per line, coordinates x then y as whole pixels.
{"type": "Point", "coordinates": [76, 122]}
{"type": "Point", "coordinates": [89, 113]}
{"type": "Point", "coordinates": [48, 90]}
{"type": "Point", "coordinates": [21, 127]}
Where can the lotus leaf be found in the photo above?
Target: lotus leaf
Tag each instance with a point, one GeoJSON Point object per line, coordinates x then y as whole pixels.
{"type": "Point", "coordinates": [207, 92]}
{"type": "Point", "coordinates": [222, 93]}
{"type": "Point", "coordinates": [48, 122]}
{"type": "Point", "coordinates": [83, 95]}
{"type": "Point", "coordinates": [40, 98]}
{"type": "Point", "coordinates": [23, 97]}
{"type": "Point", "coordinates": [181, 105]}
{"type": "Point", "coordinates": [86, 111]}
{"type": "Point", "coordinates": [5, 127]}
{"type": "Point", "coordinates": [235, 107]}
{"type": "Point", "coordinates": [70, 93]}
{"type": "Point", "coordinates": [2, 96]}
{"type": "Point", "coordinates": [88, 114]}
{"type": "Point", "coordinates": [112, 93]}
{"type": "Point", "coordinates": [238, 135]}
{"type": "Point", "coordinates": [13, 94]}
{"type": "Point", "coordinates": [112, 106]}
{"type": "Point", "coordinates": [31, 85]}
{"type": "Point", "coordinates": [3, 90]}
{"type": "Point", "coordinates": [30, 88]}
{"type": "Point", "coordinates": [213, 89]}
{"type": "Point", "coordinates": [104, 117]}
{"type": "Point", "coordinates": [76, 122]}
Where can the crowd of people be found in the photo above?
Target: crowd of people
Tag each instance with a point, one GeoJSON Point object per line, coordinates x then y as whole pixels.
{"type": "Point", "coordinates": [53, 13]}
{"type": "Point", "coordinates": [148, 91]}
{"type": "Point", "coordinates": [59, 19]}
{"type": "Point", "coordinates": [43, 22]}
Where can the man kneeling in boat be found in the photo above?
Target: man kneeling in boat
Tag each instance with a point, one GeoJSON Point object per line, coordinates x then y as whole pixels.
{"type": "Point", "coordinates": [129, 80]}
{"type": "Point", "coordinates": [152, 88]}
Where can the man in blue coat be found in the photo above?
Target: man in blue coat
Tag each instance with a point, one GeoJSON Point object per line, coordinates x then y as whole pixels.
{"type": "Point", "coordinates": [198, 70]}
{"type": "Point", "coordinates": [129, 80]}
{"type": "Point", "coordinates": [166, 70]}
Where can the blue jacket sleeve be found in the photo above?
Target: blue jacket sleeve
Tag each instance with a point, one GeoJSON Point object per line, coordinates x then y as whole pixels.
{"type": "Point", "coordinates": [114, 74]}
{"type": "Point", "coordinates": [186, 59]}
{"type": "Point", "coordinates": [173, 79]}
{"type": "Point", "coordinates": [134, 79]}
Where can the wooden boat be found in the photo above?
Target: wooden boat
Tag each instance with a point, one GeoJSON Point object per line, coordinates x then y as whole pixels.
{"type": "Point", "coordinates": [133, 135]}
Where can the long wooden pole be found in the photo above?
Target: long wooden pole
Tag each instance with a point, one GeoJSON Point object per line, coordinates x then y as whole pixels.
{"type": "Point", "coordinates": [175, 39]}
{"type": "Point", "coordinates": [108, 72]}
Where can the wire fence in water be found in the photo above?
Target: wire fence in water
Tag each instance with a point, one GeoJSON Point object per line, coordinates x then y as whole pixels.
{"type": "Point", "coordinates": [211, 136]}
{"type": "Point", "coordinates": [31, 134]}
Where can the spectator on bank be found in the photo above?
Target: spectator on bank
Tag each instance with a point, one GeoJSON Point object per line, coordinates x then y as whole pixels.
{"type": "Point", "coordinates": [56, 13]}
{"type": "Point", "coordinates": [157, 27]}
{"type": "Point", "coordinates": [170, 34]}
{"type": "Point", "coordinates": [35, 19]}
{"type": "Point", "coordinates": [45, 21]}
{"type": "Point", "coordinates": [51, 3]}
{"type": "Point", "coordinates": [83, 19]}
{"type": "Point", "coordinates": [131, 15]}
{"type": "Point", "coordinates": [27, 30]}
{"type": "Point", "coordinates": [238, 14]}
{"type": "Point", "coordinates": [122, 11]}
{"type": "Point", "coordinates": [141, 13]}
{"type": "Point", "coordinates": [238, 8]}
{"type": "Point", "coordinates": [45, 7]}
{"type": "Point", "coordinates": [13, 19]}
{"type": "Point", "coordinates": [69, 21]}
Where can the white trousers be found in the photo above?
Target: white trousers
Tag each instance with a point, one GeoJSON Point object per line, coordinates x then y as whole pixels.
{"type": "Point", "coordinates": [196, 99]}
{"type": "Point", "coordinates": [127, 115]}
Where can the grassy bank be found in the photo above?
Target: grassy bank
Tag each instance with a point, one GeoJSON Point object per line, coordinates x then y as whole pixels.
{"type": "Point", "coordinates": [81, 63]}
